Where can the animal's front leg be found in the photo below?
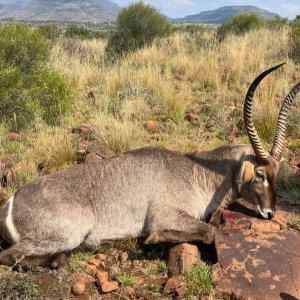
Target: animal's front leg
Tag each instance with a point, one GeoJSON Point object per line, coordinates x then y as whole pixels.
{"type": "Point", "coordinates": [179, 227]}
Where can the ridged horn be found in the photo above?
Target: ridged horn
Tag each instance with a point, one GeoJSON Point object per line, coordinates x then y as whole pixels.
{"type": "Point", "coordinates": [262, 155]}
{"type": "Point", "coordinates": [277, 148]}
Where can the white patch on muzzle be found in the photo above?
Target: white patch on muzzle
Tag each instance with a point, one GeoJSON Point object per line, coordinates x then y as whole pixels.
{"type": "Point", "coordinates": [11, 228]}
{"type": "Point", "coordinates": [264, 212]}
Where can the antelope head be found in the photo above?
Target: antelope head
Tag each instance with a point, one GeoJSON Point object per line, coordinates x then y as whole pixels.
{"type": "Point", "coordinates": [257, 177]}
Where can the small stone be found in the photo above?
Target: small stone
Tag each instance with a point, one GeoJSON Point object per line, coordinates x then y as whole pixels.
{"type": "Point", "coordinates": [102, 257]}
{"type": "Point", "coordinates": [191, 117]}
{"type": "Point", "coordinates": [78, 114]}
{"type": "Point", "coordinates": [109, 286]}
{"type": "Point", "coordinates": [151, 126]}
{"type": "Point", "coordinates": [194, 107]}
{"type": "Point", "coordinates": [216, 272]}
{"type": "Point", "coordinates": [102, 276]}
{"type": "Point", "coordinates": [91, 157]}
{"type": "Point", "coordinates": [182, 257]}
{"type": "Point", "coordinates": [129, 291]}
{"type": "Point", "coordinates": [172, 285]}
{"type": "Point", "coordinates": [138, 280]}
{"type": "Point", "coordinates": [83, 277]}
{"type": "Point", "coordinates": [91, 270]}
{"type": "Point", "coordinates": [14, 136]}
{"type": "Point", "coordinates": [136, 262]}
{"type": "Point", "coordinates": [78, 288]}
{"type": "Point", "coordinates": [210, 123]}
{"type": "Point", "coordinates": [181, 290]}
{"type": "Point", "coordinates": [99, 149]}
{"type": "Point", "coordinates": [123, 257]}
{"type": "Point", "coordinates": [95, 262]}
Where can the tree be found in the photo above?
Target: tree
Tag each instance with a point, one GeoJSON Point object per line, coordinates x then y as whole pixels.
{"type": "Point", "coordinates": [137, 25]}
{"type": "Point", "coordinates": [240, 24]}
{"type": "Point", "coordinates": [29, 89]}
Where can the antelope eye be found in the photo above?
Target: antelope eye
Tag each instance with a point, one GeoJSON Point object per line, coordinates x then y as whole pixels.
{"type": "Point", "coordinates": [260, 175]}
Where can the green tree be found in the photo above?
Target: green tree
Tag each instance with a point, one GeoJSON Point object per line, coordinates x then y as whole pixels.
{"type": "Point", "coordinates": [29, 89]}
{"type": "Point", "coordinates": [137, 25]}
{"type": "Point", "coordinates": [240, 24]}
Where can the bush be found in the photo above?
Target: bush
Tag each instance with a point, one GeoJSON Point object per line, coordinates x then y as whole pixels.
{"type": "Point", "coordinates": [277, 23]}
{"type": "Point", "coordinates": [29, 90]}
{"type": "Point", "coordinates": [295, 39]}
{"type": "Point", "coordinates": [83, 33]}
{"type": "Point", "coordinates": [240, 24]}
{"type": "Point", "coordinates": [51, 32]}
{"type": "Point", "coordinates": [137, 25]}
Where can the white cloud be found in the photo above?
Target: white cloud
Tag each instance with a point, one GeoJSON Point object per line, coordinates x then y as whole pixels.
{"type": "Point", "coordinates": [291, 7]}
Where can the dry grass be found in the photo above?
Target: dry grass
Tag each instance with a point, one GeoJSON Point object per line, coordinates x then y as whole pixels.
{"type": "Point", "coordinates": [161, 83]}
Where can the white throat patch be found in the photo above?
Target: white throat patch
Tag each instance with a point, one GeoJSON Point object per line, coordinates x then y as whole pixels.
{"type": "Point", "coordinates": [11, 228]}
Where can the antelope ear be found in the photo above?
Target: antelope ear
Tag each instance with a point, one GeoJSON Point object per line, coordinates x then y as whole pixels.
{"type": "Point", "coordinates": [249, 172]}
{"type": "Point", "coordinates": [246, 174]}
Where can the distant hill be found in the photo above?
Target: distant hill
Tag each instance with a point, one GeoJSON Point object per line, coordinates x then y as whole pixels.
{"type": "Point", "coordinates": [86, 11]}
{"type": "Point", "coordinates": [222, 14]}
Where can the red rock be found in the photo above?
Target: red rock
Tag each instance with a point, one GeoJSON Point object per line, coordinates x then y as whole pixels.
{"type": "Point", "coordinates": [84, 130]}
{"type": "Point", "coordinates": [102, 276]}
{"type": "Point", "coordinates": [83, 277]}
{"type": "Point", "coordinates": [195, 107]}
{"type": "Point", "coordinates": [254, 262]}
{"type": "Point", "coordinates": [151, 126]}
{"type": "Point", "coordinates": [95, 262]}
{"type": "Point", "coordinates": [91, 270]}
{"type": "Point", "coordinates": [78, 114]}
{"type": "Point", "coordinates": [78, 288]}
{"type": "Point", "coordinates": [136, 262]}
{"type": "Point", "coordinates": [129, 292]}
{"type": "Point", "coordinates": [14, 136]}
{"type": "Point", "coordinates": [181, 258]}
{"type": "Point", "coordinates": [210, 123]}
{"type": "Point", "coordinates": [138, 280]}
{"type": "Point", "coordinates": [102, 256]}
{"type": "Point", "coordinates": [109, 286]}
{"type": "Point", "coordinates": [91, 157]}
{"type": "Point", "coordinates": [191, 117]}
{"type": "Point", "coordinates": [99, 149]}
{"type": "Point", "coordinates": [173, 284]}
{"type": "Point", "coordinates": [264, 225]}
{"type": "Point", "coordinates": [181, 290]}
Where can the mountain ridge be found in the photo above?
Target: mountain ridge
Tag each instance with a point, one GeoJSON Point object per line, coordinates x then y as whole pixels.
{"type": "Point", "coordinates": [222, 14]}
{"type": "Point", "coordinates": [87, 11]}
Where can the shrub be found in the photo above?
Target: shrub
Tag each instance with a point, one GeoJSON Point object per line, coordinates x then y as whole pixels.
{"type": "Point", "coordinates": [240, 24]}
{"type": "Point", "coordinates": [277, 23]}
{"type": "Point", "coordinates": [51, 32]}
{"type": "Point", "coordinates": [295, 39]}
{"type": "Point", "coordinates": [29, 90]}
{"type": "Point", "coordinates": [137, 25]}
{"type": "Point", "coordinates": [83, 33]}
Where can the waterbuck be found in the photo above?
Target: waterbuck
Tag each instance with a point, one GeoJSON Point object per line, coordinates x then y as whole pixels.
{"type": "Point", "coordinates": [161, 194]}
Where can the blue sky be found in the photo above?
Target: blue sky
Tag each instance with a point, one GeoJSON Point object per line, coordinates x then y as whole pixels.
{"type": "Point", "coordinates": [181, 8]}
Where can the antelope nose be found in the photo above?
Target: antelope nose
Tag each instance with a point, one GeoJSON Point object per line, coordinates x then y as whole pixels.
{"type": "Point", "coordinates": [270, 215]}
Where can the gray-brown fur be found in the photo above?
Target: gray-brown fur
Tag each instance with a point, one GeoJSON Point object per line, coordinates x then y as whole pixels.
{"type": "Point", "coordinates": [132, 194]}
{"type": "Point", "coordinates": [158, 193]}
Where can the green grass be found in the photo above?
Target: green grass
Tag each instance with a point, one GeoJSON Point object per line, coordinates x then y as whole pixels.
{"type": "Point", "coordinates": [17, 287]}
{"type": "Point", "coordinates": [198, 280]}
{"type": "Point", "coordinates": [295, 224]}
{"type": "Point", "coordinates": [126, 280]}
{"type": "Point", "coordinates": [288, 185]}
{"type": "Point", "coordinates": [76, 257]}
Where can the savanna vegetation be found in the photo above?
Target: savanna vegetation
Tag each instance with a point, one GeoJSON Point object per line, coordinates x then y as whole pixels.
{"type": "Point", "coordinates": [186, 80]}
